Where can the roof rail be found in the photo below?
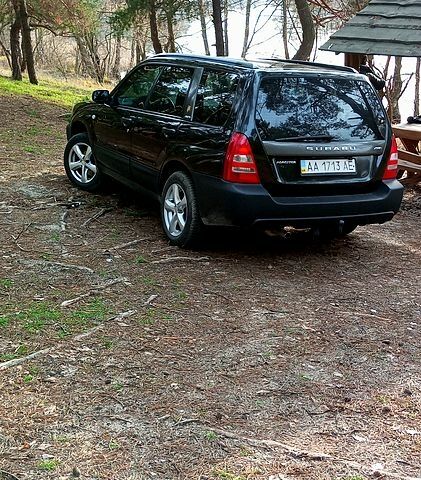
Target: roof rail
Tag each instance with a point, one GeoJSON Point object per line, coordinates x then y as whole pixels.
{"type": "Point", "coordinates": [304, 62]}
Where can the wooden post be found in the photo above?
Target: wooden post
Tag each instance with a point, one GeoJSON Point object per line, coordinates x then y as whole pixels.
{"type": "Point", "coordinates": [353, 60]}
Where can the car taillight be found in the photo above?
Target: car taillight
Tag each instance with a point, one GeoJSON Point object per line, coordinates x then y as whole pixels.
{"type": "Point", "coordinates": [239, 166]}
{"type": "Point", "coordinates": [392, 162]}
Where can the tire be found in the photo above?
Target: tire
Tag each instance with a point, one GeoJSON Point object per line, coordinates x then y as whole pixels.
{"type": "Point", "coordinates": [180, 212]}
{"type": "Point", "coordinates": [80, 164]}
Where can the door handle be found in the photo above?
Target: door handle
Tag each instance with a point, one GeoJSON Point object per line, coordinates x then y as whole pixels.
{"type": "Point", "coordinates": [167, 132]}
{"type": "Point", "coordinates": [127, 122]}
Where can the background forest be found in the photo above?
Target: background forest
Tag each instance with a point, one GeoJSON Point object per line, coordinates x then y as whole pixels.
{"type": "Point", "coordinates": [102, 39]}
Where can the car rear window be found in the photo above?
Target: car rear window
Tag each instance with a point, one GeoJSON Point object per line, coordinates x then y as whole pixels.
{"type": "Point", "coordinates": [313, 106]}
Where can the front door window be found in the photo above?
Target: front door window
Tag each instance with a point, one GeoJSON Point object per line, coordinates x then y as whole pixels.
{"type": "Point", "coordinates": [170, 91]}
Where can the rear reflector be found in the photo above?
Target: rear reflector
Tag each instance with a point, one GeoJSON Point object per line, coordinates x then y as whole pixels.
{"type": "Point", "coordinates": [239, 166]}
{"type": "Point", "coordinates": [392, 162]}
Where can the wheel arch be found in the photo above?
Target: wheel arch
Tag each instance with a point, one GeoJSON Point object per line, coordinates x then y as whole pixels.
{"type": "Point", "coordinates": [169, 168]}
{"type": "Point", "coordinates": [78, 127]}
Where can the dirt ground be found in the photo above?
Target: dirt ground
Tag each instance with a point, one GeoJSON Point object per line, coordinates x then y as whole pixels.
{"type": "Point", "coordinates": [254, 358]}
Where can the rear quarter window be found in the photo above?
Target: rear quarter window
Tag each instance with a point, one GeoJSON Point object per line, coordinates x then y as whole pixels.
{"type": "Point", "coordinates": [215, 97]}
{"type": "Point", "coordinates": [312, 106]}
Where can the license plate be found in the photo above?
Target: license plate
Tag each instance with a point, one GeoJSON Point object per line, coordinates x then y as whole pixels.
{"type": "Point", "coordinates": [325, 167]}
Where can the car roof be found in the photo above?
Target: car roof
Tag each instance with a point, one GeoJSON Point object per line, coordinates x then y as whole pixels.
{"type": "Point", "coordinates": [261, 64]}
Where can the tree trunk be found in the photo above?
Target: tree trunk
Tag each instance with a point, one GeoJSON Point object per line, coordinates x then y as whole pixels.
{"type": "Point", "coordinates": [85, 59]}
{"type": "Point", "coordinates": [6, 53]}
{"type": "Point", "coordinates": [309, 33]}
{"type": "Point", "coordinates": [116, 67]}
{"type": "Point", "coordinates": [225, 25]}
{"type": "Point", "coordinates": [203, 26]}
{"type": "Point", "coordinates": [285, 28]}
{"type": "Point", "coordinates": [171, 36]}
{"type": "Point", "coordinates": [246, 29]}
{"type": "Point", "coordinates": [417, 87]}
{"type": "Point", "coordinates": [219, 31]}
{"type": "Point", "coordinates": [396, 92]}
{"type": "Point", "coordinates": [23, 57]}
{"type": "Point", "coordinates": [27, 43]}
{"type": "Point", "coordinates": [133, 50]}
{"type": "Point", "coordinates": [154, 28]}
{"type": "Point", "coordinates": [15, 51]}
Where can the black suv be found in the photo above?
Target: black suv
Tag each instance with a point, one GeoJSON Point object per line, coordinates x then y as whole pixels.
{"type": "Point", "coordinates": [238, 143]}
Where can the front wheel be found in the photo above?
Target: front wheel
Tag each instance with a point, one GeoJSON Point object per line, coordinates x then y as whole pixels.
{"type": "Point", "coordinates": [80, 164]}
{"type": "Point", "coordinates": [180, 212]}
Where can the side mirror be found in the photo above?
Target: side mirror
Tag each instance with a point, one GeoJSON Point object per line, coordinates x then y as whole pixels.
{"type": "Point", "coordinates": [101, 96]}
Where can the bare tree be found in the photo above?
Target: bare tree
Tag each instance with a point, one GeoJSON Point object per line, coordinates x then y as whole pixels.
{"type": "Point", "coordinates": [417, 87]}
{"type": "Point", "coordinates": [202, 15]}
{"type": "Point", "coordinates": [219, 31]}
{"type": "Point", "coordinates": [15, 51]}
{"type": "Point", "coordinates": [309, 32]}
{"type": "Point", "coordinates": [27, 42]}
{"type": "Point", "coordinates": [285, 28]}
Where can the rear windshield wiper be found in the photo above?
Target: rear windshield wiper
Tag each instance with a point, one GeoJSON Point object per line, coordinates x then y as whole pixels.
{"type": "Point", "coordinates": [307, 138]}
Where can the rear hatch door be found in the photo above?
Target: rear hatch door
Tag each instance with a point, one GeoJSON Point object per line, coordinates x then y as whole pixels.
{"type": "Point", "coordinates": [322, 132]}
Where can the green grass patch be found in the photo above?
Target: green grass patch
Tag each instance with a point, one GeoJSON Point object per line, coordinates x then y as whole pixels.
{"type": "Point", "coordinates": [94, 310]}
{"type": "Point", "coordinates": [19, 352]}
{"type": "Point", "coordinates": [4, 321]}
{"type": "Point", "coordinates": [58, 93]}
{"type": "Point", "coordinates": [37, 316]}
{"type": "Point", "coordinates": [48, 465]}
{"type": "Point", "coordinates": [224, 474]}
{"type": "Point", "coordinates": [6, 283]}
{"type": "Point", "coordinates": [35, 149]}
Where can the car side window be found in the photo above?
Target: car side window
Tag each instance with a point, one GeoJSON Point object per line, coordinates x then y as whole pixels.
{"type": "Point", "coordinates": [135, 90]}
{"type": "Point", "coordinates": [215, 97]}
{"type": "Point", "coordinates": [170, 91]}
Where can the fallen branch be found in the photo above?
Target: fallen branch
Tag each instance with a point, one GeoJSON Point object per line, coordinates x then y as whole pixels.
{"type": "Point", "coordinates": [359, 314]}
{"type": "Point", "coordinates": [69, 266]}
{"type": "Point", "coordinates": [19, 361]}
{"type": "Point", "coordinates": [97, 215]}
{"type": "Point", "coordinates": [93, 291]}
{"type": "Point", "coordinates": [271, 443]}
{"type": "Point", "coordinates": [186, 421]}
{"type": "Point", "coordinates": [24, 229]}
{"type": "Point", "coordinates": [7, 476]}
{"type": "Point", "coordinates": [124, 245]}
{"type": "Point", "coordinates": [150, 300]}
{"type": "Point", "coordinates": [63, 221]}
{"type": "Point", "coordinates": [178, 259]}
{"type": "Point", "coordinates": [118, 317]}
{"type": "Point", "coordinates": [307, 454]}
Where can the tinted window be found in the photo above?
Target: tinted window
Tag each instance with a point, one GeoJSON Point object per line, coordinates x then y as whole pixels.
{"type": "Point", "coordinates": [135, 90]}
{"type": "Point", "coordinates": [294, 107]}
{"type": "Point", "coordinates": [215, 97]}
{"type": "Point", "coordinates": [170, 91]}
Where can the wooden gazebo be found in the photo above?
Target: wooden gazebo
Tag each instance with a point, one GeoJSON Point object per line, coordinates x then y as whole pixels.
{"type": "Point", "coordinates": [386, 27]}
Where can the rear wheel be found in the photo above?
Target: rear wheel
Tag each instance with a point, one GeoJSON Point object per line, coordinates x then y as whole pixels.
{"type": "Point", "coordinates": [179, 211]}
{"type": "Point", "coordinates": [80, 164]}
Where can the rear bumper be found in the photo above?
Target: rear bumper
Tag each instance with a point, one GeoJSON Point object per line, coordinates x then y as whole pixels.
{"type": "Point", "coordinates": [223, 203]}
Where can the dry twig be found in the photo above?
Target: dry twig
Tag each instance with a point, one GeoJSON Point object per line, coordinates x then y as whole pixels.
{"type": "Point", "coordinates": [124, 245]}
{"type": "Point", "coordinates": [93, 291]}
{"type": "Point", "coordinates": [102, 212]}
{"type": "Point", "coordinates": [81, 336]}
{"type": "Point", "coordinates": [177, 259]}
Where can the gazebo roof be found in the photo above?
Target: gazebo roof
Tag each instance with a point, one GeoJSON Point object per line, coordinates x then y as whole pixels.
{"type": "Point", "coordinates": [384, 27]}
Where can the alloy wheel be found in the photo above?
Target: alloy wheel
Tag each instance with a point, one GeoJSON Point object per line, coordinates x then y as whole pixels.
{"type": "Point", "coordinates": [175, 210]}
{"type": "Point", "coordinates": [82, 163]}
